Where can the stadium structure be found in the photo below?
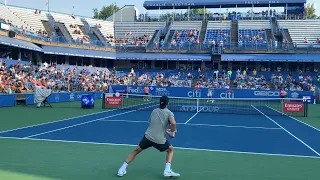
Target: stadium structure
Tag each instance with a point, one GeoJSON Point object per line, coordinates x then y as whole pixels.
{"type": "Point", "coordinates": [265, 40]}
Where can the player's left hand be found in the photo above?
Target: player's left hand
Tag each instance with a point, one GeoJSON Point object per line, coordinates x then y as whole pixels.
{"type": "Point", "coordinates": [170, 134]}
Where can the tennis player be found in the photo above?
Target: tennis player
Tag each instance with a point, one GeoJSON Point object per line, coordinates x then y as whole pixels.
{"type": "Point", "coordinates": [210, 93]}
{"type": "Point", "coordinates": [146, 93]}
{"type": "Point", "coordinates": [154, 136]}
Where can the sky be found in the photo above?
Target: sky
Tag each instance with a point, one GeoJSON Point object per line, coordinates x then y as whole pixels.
{"type": "Point", "coordinates": [84, 8]}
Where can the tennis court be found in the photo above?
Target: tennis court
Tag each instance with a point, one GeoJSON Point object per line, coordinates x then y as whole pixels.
{"type": "Point", "coordinates": [72, 143]}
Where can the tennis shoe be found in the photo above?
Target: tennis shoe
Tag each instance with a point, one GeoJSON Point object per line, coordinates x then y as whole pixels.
{"type": "Point", "coordinates": [170, 174]}
{"type": "Point", "coordinates": [121, 172]}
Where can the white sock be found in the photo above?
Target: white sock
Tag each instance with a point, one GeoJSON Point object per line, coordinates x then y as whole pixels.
{"type": "Point", "coordinates": [124, 166]}
{"type": "Point", "coordinates": [168, 167]}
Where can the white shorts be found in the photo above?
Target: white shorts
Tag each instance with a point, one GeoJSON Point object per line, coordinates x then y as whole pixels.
{"type": "Point", "coordinates": [209, 94]}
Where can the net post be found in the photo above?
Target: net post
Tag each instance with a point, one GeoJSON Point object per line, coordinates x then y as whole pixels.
{"type": "Point", "coordinates": [305, 102]}
{"type": "Point", "coordinates": [198, 105]}
{"type": "Point", "coordinates": [103, 100]}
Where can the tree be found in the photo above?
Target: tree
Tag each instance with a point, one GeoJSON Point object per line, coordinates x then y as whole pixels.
{"type": "Point", "coordinates": [198, 11]}
{"type": "Point", "coordinates": [105, 12]}
{"type": "Point", "coordinates": [310, 11]}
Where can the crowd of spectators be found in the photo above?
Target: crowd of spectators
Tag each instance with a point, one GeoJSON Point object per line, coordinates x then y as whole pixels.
{"type": "Point", "coordinates": [303, 83]}
{"type": "Point", "coordinates": [186, 36]}
{"type": "Point", "coordinates": [22, 77]}
{"type": "Point", "coordinates": [252, 39]}
{"type": "Point", "coordinates": [130, 39]}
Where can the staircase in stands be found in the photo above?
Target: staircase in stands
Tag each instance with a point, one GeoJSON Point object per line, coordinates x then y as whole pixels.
{"type": "Point", "coordinates": [47, 27]}
{"type": "Point", "coordinates": [51, 24]}
{"type": "Point", "coordinates": [62, 28]}
{"type": "Point", "coordinates": [87, 30]}
{"type": "Point", "coordinates": [234, 33]}
{"type": "Point", "coordinates": [203, 30]}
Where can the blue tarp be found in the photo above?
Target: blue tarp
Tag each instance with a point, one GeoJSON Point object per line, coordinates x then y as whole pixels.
{"type": "Point", "coordinates": [272, 57]}
{"type": "Point", "coordinates": [19, 43]}
{"type": "Point", "coordinates": [125, 56]}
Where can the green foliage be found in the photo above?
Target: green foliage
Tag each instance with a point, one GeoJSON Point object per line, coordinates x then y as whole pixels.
{"type": "Point", "coordinates": [105, 12]}
{"type": "Point", "coordinates": [310, 11]}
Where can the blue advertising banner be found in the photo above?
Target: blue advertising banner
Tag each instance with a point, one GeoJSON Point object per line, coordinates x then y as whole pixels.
{"type": "Point", "coordinates": [64, 97]}
{"type": "Point", "coordinates": [7, 100]}
{"type": "Point", "coordinates": [178, 92]}
{"type": "Point", "coordinates": [218, 93]}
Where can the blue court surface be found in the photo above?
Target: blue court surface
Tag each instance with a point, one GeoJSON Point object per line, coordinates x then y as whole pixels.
{"type": "Point", "coordinates": [254, 134]}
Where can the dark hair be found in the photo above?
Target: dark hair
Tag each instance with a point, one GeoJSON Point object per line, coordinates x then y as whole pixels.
{"type": "Point", "coordinates": [164, 101]}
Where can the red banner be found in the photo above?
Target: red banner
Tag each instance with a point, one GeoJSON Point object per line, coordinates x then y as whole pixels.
{"type": "Point", "coordinates": [293, 107]}
{"type": "Point", "coordinates": [113, 101]}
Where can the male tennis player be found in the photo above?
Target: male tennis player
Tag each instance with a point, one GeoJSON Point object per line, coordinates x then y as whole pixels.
{"type": "Point", "coordinates": [146, 93]}
{"type": "Point", "coordinates": [159, 120]}
{"type": "Point", "coordinates": [210, 93]}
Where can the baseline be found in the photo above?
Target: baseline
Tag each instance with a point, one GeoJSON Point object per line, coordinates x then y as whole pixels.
{"type": "Point", "coordinates": [181, 148]}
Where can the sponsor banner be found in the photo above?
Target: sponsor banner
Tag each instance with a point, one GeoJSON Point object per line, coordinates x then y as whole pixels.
{"type": "Point", "coordinates": [293, 107]}
{"type": "Point", "coordinates": [64, 97]}
{"type": "Point", "coordinates": [193, 108]}
{"type": "Point", "coordinates": [113, 101]}
{"type": "Point", "coordinates": [7, 100]}
{"type": "Point", "coordinates": [87, 100]}
{"type": "Point", "coordinates": [217, 93]}
{"type": "Point", "coordinates": [307, 99]}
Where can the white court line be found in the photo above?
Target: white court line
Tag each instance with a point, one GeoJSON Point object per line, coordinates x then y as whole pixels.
{"type": "Point", "coordinates": [209, 125]}
{"type": "Point", "coordinates": [193, 116]}
{"type": "Point", "coordinates": [288, 132]}
{"type": "Point", "coordinates": [87, 122]}
{"type": "Point", "coordinates": [295, 119]}
{"type": "Point", "coordinates": [182, 148]}
{"type": "Point", "coordinates": [67, 119]}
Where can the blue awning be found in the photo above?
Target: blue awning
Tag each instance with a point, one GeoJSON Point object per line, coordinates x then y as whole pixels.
{"type": "Point", "coordinates": [163, 57]}
{"type": "Point", "coordinates": [78, 52]}
{"type": "Point", "coordinates": [272, 57]}
{"type": "Point", "coordinates": [19, 43]}
{"type": "Point", "coordinates": [185, 4]}
{"type": "Point", "coordinates": [126, 56]}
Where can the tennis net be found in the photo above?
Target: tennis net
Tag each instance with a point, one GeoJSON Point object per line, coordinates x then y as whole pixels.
{"type": "Point", "coordinates": [246, 106]}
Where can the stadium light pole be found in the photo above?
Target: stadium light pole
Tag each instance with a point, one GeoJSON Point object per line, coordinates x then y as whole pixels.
{"type": "Point", "coordinates": [48, 5]}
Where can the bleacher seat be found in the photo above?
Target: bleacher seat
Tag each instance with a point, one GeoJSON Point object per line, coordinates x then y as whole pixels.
{"type": "Point", "coordinates": [136, 29]}
{"type": "Point", "coordinates": [33, 21]}
{"type": "Point", "coordinates": [218, 31]}
{"type": "Point", "coordinates": [68, 20]}
{"type": "Point", "coordinates": [249, 29]}
{"type": "Point", "coordinates": [7, 14]}
{"type": "Point", "coordinates": [184, 28]}
{"type": "Point", "coordinates": [298, 30]}
{"type": "Point", "coordinates": [107, 27]}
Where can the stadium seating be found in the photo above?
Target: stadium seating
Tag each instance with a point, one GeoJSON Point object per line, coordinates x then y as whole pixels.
{"type": "Point", "coordinates": [216, 31]}
{"type": "Point", "coordinates": [183, 28]}
{"type": "Point", "coordinates": [107, 27]}
{"type": "Point", "coordinates": [248, 30]}
{"type": "Point", "coordinates": [298, 30]}
{"type": "Point", "coordinates": [129, 30]}
{"type": "Point", "coordinates": [34, 21]}
{"type": "Point", "coordinates": [7, 14]}
{"type": "Point", "coordinates": [68, 20]}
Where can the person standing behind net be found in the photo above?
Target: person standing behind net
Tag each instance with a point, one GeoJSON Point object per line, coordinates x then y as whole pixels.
{"type": "Point", "coordinates": [159, 120]}
{"type": "Point", "coordinates": [146, 93]}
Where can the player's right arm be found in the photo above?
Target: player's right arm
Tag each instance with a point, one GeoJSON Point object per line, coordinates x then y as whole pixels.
{"type": "Point", "coordinates": [173, 123]}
